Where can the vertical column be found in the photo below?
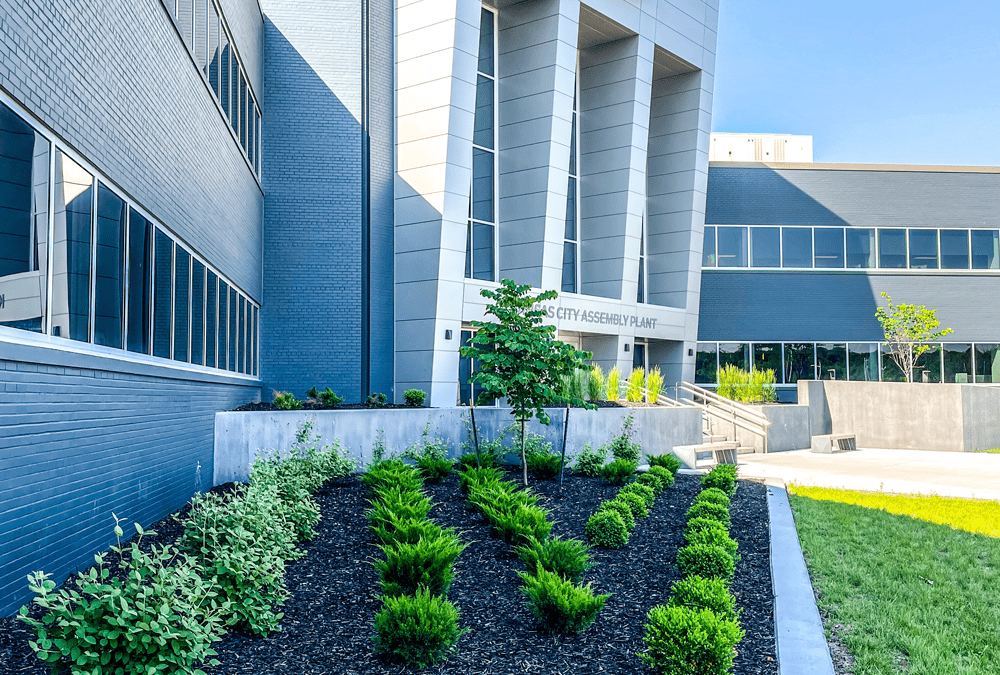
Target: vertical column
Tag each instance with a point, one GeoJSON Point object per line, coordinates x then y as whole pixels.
{"type": "Point", "coordinates": [615, 84]}
{"type": "Point", "coordinates": [537, 68]}
{"type": "Point", "coordinates": [436, 53]}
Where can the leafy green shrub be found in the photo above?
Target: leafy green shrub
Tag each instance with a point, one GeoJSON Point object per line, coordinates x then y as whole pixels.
{"type": "Point", "coordinates": [722, 477]}
{"type": "Point", "coordinates": [160, 615]}
{"type": "Point", "coordinates": [634, 501]}
{"type": "Point", "coordinates": [285, 400]}
{"type": "Point", "coordinates": [420, 629]}
{"type": "Point", "coordinates": [712, 496]}
{"type": "Point", "coordinates": [701, 593]}
{"type": "Point", "coordinates": [709, 510]}
{"type": "Point", "coordinates": [401, 504]}
{"type": "Point", "coordinates": [569, 558]}
{"type": "Point", "coordinates": [517, 525]}
{"type": "Point", "coordinates": [471, 460]}
{"type": "Point", "coordinates": [650, 480]}
{"type": "Point", "coordinates": [478, 476]}
{"type": "Point", "coordinates": [711, 562]}
{"type": "Point", "coordinates": [702, 524]}
{"type": "Point", "coordinates": [409, 530]}
{"type": "Point", "coordinates": [713, 537]}
{"type": "Point", "coordinates": [595, 383]}
{"type": "Point", "coordinates": [622, 509]}
{"type": "Point", "coordinates": [613, 384]}
{"type": "Point", "coordinates": [291, 482]}
{"type": "Point", "coordinates": [606, 529]}
{"type": "Point", "coordinates": [618, 472]}
{"type": "Point", "coordinates": [392, 473]}
{"type": "Point", "coordinates": [543, 466]}
{"type": "Point", "coordinates": [636, 383]}
{"type": "Point", "coordinates": [435, 470]}
{"type": "Point", "coordinates": [559, 606]}
{"type": "Point", "coordinates": [622, 446]}
{"type": "Point", "coordinates": [646, 492]}
{"type": "Point", "coordinates": [686, 641]}
{"type": "Point", "coordinates": [375, 400]}
{"type": "Point", "coordinates": [329, 399]}
{"type": "Point", "coordinates": [426, 563]}
{"type": "Point", "coordinates": [590, 461]}
{"type": "Point", "coordinates": [414, 397]}
{"type": "Point", "coordinates": [313, 393]}
{"type": "Point", "coordinates": [668, 461]}
{"type": "Point", "coordinates": [654, 384]}
{"type": "Point", "coordinates": [501, 497]}
{"type": "Point", "coordinates": [663, 474]}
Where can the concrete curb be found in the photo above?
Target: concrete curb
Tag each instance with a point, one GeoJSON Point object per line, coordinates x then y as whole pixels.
{"type": "Point", "coordinates": [801, 642]}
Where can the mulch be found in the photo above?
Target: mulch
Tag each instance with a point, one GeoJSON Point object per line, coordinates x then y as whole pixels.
{"type": "Point", "coordinates": [311, 404]}
{"type": "Point", "coordinates": [327, 623]}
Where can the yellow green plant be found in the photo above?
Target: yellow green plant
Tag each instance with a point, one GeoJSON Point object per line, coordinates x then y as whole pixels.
{"type": "Point", "coordinates": [754, 386]}
{"type": "Point", "coordinates": [636, 383]}
{"type": "Point", "coordinates": [595, 384]}
{"type": "Point", "coordinates": [613, 384]}
{"type": "Point", "coordinates": [654, 384]}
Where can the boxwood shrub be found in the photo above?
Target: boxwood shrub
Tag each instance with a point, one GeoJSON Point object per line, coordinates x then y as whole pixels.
{"type": "Point", "coordinates": [687, 641]}
{"type": "Point", "coordinates": [723, 477]}
{"type": "Point", "coordinates": [606, 529]}
{"type": "Point", "coordinates": [622, 509]}
{"type": "Point", "coordinates": [647, 493]}
{"type": "Point", "coordinates": [711, 562]}
{"type": "Point", "coordinates": [634, 501]}
{"type": "Point", "coordinates": [668, 461]}
{"type": "Point", "coordinates": [700, 593]}
{"type": "Point", "coordinates": [419, 629]}
{"type": "Point", "coordinates": [663, 474]}
{"type": "Point", "coordinates": [709, 510]}
{"type": "Point", "coordinates": [713, 496]}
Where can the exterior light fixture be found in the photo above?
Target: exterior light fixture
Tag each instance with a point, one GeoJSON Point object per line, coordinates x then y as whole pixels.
{"type": "Point", "coordinates": [626, 346]}
{"type": "Point", "coordinates": [447, 334]}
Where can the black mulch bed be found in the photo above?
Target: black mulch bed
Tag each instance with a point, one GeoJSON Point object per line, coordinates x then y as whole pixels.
{"type": "Point", "coordinates": [327, 625]}
{"type": "Point", "coordinates": [310, 404]}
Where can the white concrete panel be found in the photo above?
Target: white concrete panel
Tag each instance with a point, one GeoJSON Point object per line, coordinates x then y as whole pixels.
{"type": "Point", "coordinates": [519, 183]}
{"type": "Point", "coordinates": [422, 14]}
{"type": "Point", "coordinates": [428, 123]}
{"type": "Point", "coordinates": [533, 107]}
{"type": "Point", "coordinates": [620, 12]}
{"type": "Point", "coordinates": [425, 96]}
{"type": "Point", "coordinates": [529, 58]}
{"type": "Point", "coordinates": [417, 237]}
{"type": "Point", "coordinates": [416, 266]}
{"type": "Point", "coordinates": [680, 45]}
{"type": "Point", "coordinates": [522, 231]}
{"type": "Point", "coordinates": [516, 37]}
{"type": "Point", "coordinates": [683, 22]}
{"type": "Point", "coordinates": [436, 178]}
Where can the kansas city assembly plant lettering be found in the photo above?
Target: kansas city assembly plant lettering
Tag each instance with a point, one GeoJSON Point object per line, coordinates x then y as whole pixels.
{"type": "Point", "coordinates": [591, 316]}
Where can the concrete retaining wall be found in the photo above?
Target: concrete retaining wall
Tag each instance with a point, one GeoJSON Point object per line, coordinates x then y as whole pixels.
{"type": "Point", "coordinates": [241, 436]}
{"type": "Point", "coordinates": [789, 430]}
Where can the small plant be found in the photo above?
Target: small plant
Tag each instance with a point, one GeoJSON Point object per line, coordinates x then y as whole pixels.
{"type": "Point", "coordinates": [559, 606]}
{"type": "Point", "coordinates": [613, 384]}
{"type": "Point", "coordinates": [590, 461]}
{"type": "Point", "coordinates": [478, 476]}
{"type": "Point", "coordinates": [328, 399]}
{"type": "Point", "coordinates": [654, 385]}
{"type": "Point", "coordinates": [409, 530]}
{"type": "Point", "coordinates": [573, 385]}
{"type": "Point", "coordinates": [634, 501]}
{"type": "Point", "coordinates": [701, 524]}
{"type": "Point", "coordinates": [424, 564]}
{"type": "Point", "coordinates": [471, 460]}
{"type": "Point", "coordinates": [622, 509]}
{"type": "Point", "coordinates": [711, 562]}
{"type": "Point", "coordinates": [647, 493]}
{"type": "Point", "coordinates": [714, 537]}
{"type": "Point", "coordinates": [313, 393]}
{"type": "Point", "coordinates": [723, 477]}
{"type": "Point", "coordinates": [651, 480]}
{"type": "Point", "coordinates": [519, 524]}
{"type": "Point", "coordinates": [414, 397]}
{"type": "Point", "coordinates": [569, 558]}
{"type": "Point", "coordinates": [595, 384]}
{"type": "Point", "coordinates": [700, 593]}
{"type": "Point", "coordinates": [285, 400]}
{"type": "Point", "coordinates": [606, 529]}
{"type": "Point", "coordinates": [663, 474]}
{"type": "Point", "coordinates": [709, 510]}
{"type": "Point", "coordinates": [668, 461]}
{"type": "Point", "coordinates": [712, 496]}
{"type": "Point", "coordinates": [618, 472]}
{"type": "Point", "coordinates": [622, 446]}
{"type": "Point", "coordinates": [686, 641]}
{"type": "Point", "coordinates": [435, 470]}
{"type": "Point", "coordinates": [753, 386]}
{"type": "Point", "coordinates": [375, 400]}
{"type": "Point", "coordinates": [420, 629]}
{"type": "Point", "coordinates": [544, 465]}
{"type": "Point", "coordinates": [635, 384]}
{"type": "Point", "coordinates": [414, 506]}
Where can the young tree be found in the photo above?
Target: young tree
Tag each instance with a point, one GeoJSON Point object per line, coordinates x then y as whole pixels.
{"type": "Point", "coordinates": [518, 357]}
{"type": "Point", "coordinates": [905, 328]}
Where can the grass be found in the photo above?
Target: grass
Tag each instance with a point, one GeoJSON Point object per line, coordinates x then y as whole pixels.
{"type": "Point", "coordinates": [916, 597]}
{"type": "Point", "coordinates": [992, 451]}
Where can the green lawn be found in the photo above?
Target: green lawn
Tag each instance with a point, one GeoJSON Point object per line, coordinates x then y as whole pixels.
{"type": "Point", "coordinates": [920, 598]}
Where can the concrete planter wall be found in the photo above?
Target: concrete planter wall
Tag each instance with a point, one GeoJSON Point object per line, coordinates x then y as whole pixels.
{"type": "Point", "coordinates": [241, 436]}
{"type": "Point", "coordinates": [789, 428]}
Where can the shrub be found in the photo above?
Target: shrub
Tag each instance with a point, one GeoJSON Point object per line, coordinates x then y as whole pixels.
{"type": "Point", "coordinates": [712, 496]}
{"type": "Point", "coordinates": [622, 509]}
{"type": "Point", "coordinates": [650, 480]}
{"type": "Point", "coordinates": [647, 493]}
{"type": "Point", "coordinates": [573, 384]}
{"type": "Point", "coordinates": [424, 564]}
{"type": "Point", "coordinates": [520, 524]}
{"type": "Point", "coordinates": [435, 470]}
{"type": "Point", "coordinates": [618, 472]}
{"type": "Point", "coordinates": [606, 529]}
{"type": "Point", "coordinates": [409, 530]}
{"type": "Point", "coordinates": [595, 383]}
{"type": "Point", "coordinates": [668, 461]}
{"type": "Point", "coordinates": [159, 615]}
{"type": "Point", "coordinates": [393, 473]}
{"type": "Point", "coordinates": [702, 524]}
{"type": "Point", "coordinates": [328, 399]}
{"type": "Point", "coordinates": [495, 448]}
{"type": "Point", "coordinates": [398, 504]}
{"type": "Point", "coordinates": [295, 505]}
{"type": "Point", "coordinates": [722, 477]}
{"type": "Point", "coordinates": [622, 446]}
{"type": "Point", "coordinates": [711, 562]}
{"type": "Point", "coordinates": [654, 385]}
{"type": "Point", "coordinates": [613, 383]}
{"type": "Point", "coordinates": [375, 400]}
{"type": "Point", "coordinates": [590, 461]}
{"type": "Point", "coordinates": [709, 510]}
{"type": "Point", "coordinates": [285, 400]}
{"type": "Point", "coordinates": [414, 397]}
{"type": "Point", "coordinates": [559, 606]}
{"type": "Point", "coordinates": [634, 501]}
{"type": "Point", "coordinates": [313, 393]}
{"type": "Point", "coordinates": [569, 558]}
{"type": "Point", "coordinates": [636, 383]}
{"type": "Point", "coordinates": [543, 465]}
{"type": "Point", "coordinates": [701, 593]}
{"type": "Point", "coordinates": [713, 537]}
{"type": "Point", "coordinates": [686, 641]}
{"type": "Point", "coordinates": [663, 474]}
{"type": "Point", "coordinates": [472, 460]}
{"type": "Point", "coordinates": [478, 476]}
{"type": "Point", "coordinates": [754, 386]}
{"type": "Point", "coordinates": [420, 629]}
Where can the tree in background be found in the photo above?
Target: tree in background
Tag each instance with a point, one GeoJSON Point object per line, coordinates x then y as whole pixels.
{"type": "Point", "coordinates": [906, 327]}
{"type": "Point", "coordinates": [519, 359]}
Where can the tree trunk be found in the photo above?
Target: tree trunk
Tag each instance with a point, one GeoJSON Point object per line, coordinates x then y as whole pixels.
{"type": "Point", "coordinates": [562, 462]}
{"type": "Point", "coordinates": [475, 434]}
{"type": "Point", "coordinates": [524, 459]}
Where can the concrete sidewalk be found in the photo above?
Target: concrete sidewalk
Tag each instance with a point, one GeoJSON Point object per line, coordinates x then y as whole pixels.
{"type": "Point", "coordinates": [947, 474]}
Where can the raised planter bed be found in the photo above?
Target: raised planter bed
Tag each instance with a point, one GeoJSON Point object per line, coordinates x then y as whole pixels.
{"type": "Point", "coordinates": [327, 625]}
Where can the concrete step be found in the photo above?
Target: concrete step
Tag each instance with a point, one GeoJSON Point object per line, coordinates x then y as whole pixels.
{"type": "Point", "coordinates": [715, 439]}
{"type": "Point", "coordinates": [745, 450]}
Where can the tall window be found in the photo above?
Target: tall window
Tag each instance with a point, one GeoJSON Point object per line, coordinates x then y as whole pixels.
{"type": "Point", "coordinates": [640, 295]}
{"type": "Point", "coordinates": [480, 251]}
{"type": "Point", "coordinates": [571, 247]}
{"type": "Point", "coordinates": [72, 244]}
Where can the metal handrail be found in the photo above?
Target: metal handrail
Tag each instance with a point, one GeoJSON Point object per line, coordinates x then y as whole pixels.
{"type": "Point", "coordinates": [723, 401]}
{"type": "Point", "coordinates": [661, 399]}
{"type": "Point", "coordinates": [726, 410]}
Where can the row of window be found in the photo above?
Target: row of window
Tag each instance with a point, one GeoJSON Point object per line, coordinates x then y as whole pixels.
{"type": "Point", "coordinates": [94, 268]}
{"type": "Point", "coordinates": [858, 361]}
{"type": "Point", "coordinates": [204, 31]}
{"type": "Point", "coordinates": [850, 248]}
{"type": "Point", "coordinates": [480, 250]}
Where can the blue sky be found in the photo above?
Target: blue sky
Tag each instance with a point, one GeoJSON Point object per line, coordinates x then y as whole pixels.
{"type": "Point", "coordinates": [881, 81]}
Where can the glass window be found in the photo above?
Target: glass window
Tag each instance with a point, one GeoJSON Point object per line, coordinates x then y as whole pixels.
{"type": "Point", "coordinates": [890, 371]}
{"type": "Point", "coordinates": [860, 247]}
{"type": "Point", "coordinates": [639, 356]}
{"type": "Point", "coordinates": [732, 243]}
{"type": "Point", "coordinates": [958, 363]}
{"type": "Point", "coordinates": [197, 311]}
{"type": "Point", "coordinates": [955, 249]}
{"type": "Point", "coordinates": [892, 249]}
{"type": "Point", "coordinates": [161, 295]}
{"type": "Point", "coordinates": [768, 357]}
{"type": "Point", "coordinates": [796, 247]}
{"type": "Point", "coordinates": [928, 363]}
{"type": "Point", "coordinates": [799, 362]}
{"type": "Point", "coordinates": [109, 275]}
{"type": "Point", "coordinates": [862, 361]}
{"type": "Point", "coordinates": [241, 348]}
{"type": "Point", "coordinates": [234, 80]}
{"type": "Point", "coordinates": [708, 247]}
{"type": "Point", "coordinates": [831, 360]}
{"type": "Point", "coordinates": [987, 363]}
{"type": "Point", "coordinates": [256, 333]}
{"type": "Point", "coordinates": [468, 250]}
{"type": "Point", "coordinates": [71, 242]}
{"type": "Point", "coordinates": [482, 133]}
{"type": "Point", "coordinates": [482, 252]}
{"type": "Point", "coordinates": [570, 229]}
{"type": "Point", "coordinates": [765, 247]}
{"type": "Point", "coordinates": [466, 367]}
{"type": "Point", "coordinates": [482, 185]}
{"type": "Point", "coordinates": [985, 245]}
{"type": "Point", "coordinates": [641, 287]}
{"type": "Point", "coordinates": [251, 136]}
{"type": "Point", "coordinates": [260, 138]}
{"type": "Point", "coordinates": [211, 318]}
{"type": "Point", "coordinates": [140, 282]}
{"type": "Point", "coordinates": [212, 71]}
{"type": "Point", "coordinates": [706, 363]}
{"type": "Point", "coordinates": [223, 324]}
{"type": "Point", "coordinates": [182, 305]}
{"type": "Point", "coordinates": [486, 30]}
{"type": "Point", "coordinates": [234, 328]}
{"type": "Point", "coordinates": [224, 71]}
{"type": "Point", "coordinates": [924, 249]}
{"type": "Point", "coordinates": [24, 223]}
{"type": "Point", "coordinates": [569, 267]}
{"type": "Point", "coordinates": [734, 354]}
{"type": "Point", "coordinates": [829, 247]}
{"type": "Point", "coordinates": [243, 111]}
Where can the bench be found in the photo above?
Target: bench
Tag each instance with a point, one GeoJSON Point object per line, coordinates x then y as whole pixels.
{"type": "Point", "coordinates": [829, 444]}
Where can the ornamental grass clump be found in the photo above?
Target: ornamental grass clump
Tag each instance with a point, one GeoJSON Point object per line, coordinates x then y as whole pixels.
{"type": "Point", "coordinates": [607, 530]}
{"type": "Point", "coordinates": [420, 629]}
{"type": "Point", "coordinates": [668, 461]}
{"type": "Point", "coordinates": [654, 385]}
{"type": "Point", "coordinates": [569, 558]}
{"type": "Point", "coordinates": [709, 510]}
{"type": "Point", "coordinates": [705, 560]}
{"type": "Point", "coordinates": [559, 605]}
{"type": "Point", "coordinates": [722, 477]}
{"type": "Point", "coordinates": [595, 384]}
{"type": "Point", "coordinates": [635, 384]}
{"type": "Point", "coordinates": [613, 384]}
{"type": "Point", "coordinates": [687, 641]}
{"type": "Point", "coordinates": [700, 593]}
